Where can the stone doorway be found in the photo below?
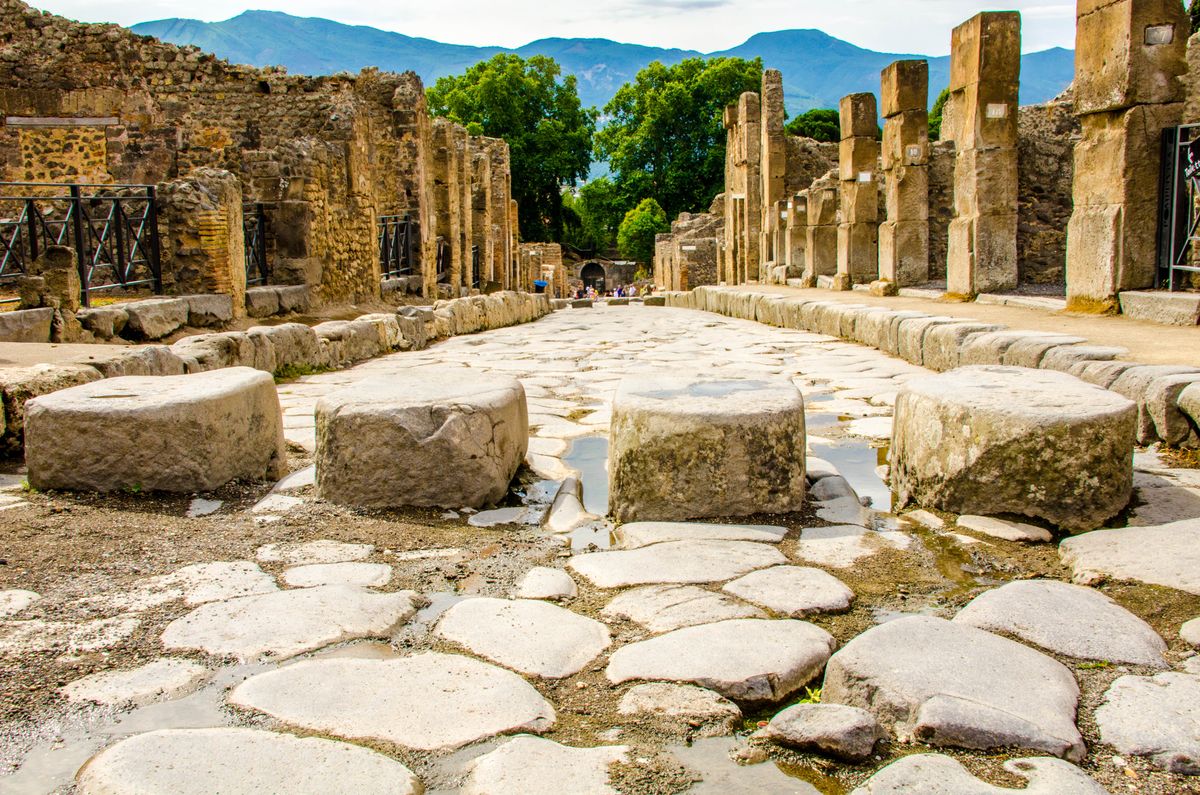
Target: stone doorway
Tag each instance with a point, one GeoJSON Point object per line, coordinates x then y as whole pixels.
{"type": "Point", "coordinates": [592, 274]}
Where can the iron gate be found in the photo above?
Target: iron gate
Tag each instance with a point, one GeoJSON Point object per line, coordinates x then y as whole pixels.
{"type": "Point", "coordinates": [1179, 207]}
{"type": "Point", "coordinates": [254, 232]}
{"type": "Point", "coordinates": [113, 230]}
{"type": "Point", "coordinates": [397, 246]}
{"type": "Point", "coordinates": [443, 261]}
{"type": "Point", "coordinates": [475, 275]}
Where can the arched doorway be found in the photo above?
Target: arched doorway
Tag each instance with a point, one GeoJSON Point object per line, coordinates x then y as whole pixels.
{"type": "Point", "coordinates": [592, 275]}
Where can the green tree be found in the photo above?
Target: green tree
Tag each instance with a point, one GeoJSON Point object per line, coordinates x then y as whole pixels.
{"type": "Point", "coordinates": [549, 134]}
{"type": "Point", "coordinates": [664, 138]}
{"type": "Point", "coordinates": [821, 124]}
{"type": "Point", "coordinates": [935, 115]}
{"type": "Point", "coordinates": [635, 237]}
{"type": "Point", "coordinates": [592, 214]}
{"type": "Point", "coordinates": [1194, 13]}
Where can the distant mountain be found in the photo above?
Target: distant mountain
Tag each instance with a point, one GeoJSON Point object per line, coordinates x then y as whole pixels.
{"type": "Point", "coordinates": [818, 69]}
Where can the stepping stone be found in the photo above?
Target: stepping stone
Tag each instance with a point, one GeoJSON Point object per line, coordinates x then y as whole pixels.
{"type": "Point", "coordinates": [300, 479]}
{"type": "Point", "coordinates": [832, 729]}
{"type": "Point", "coordinates": [937, 774]}
{"type": "Point", "coordinates": [533, 766]}
{"type": "Point", "coordinates": [367, 575]}
{"type": "Point", "coordinates": [927, 519]}
{"type": "Point", "coordinates": [287, 623]}
{"type": "Point", "coordinates": [841, 546]}
{"type": "Point", "coordinates": [159, 680]}
{"type": "Point", "coordinates": [276, 504]}
{"type": "Point", "coordinates": [793, 591]}
{"type": "Point", "coordinates": [441, 438]}
{"type": "Point", "coordinates": [527, 635]}
{"type": "Point", "coordinates": [65, 637]}
{"type": "Point", "coordinates": [178, 433]}
{"type": "Point", "coordinates": [236, 761]}
{"type": "Point", "coordinates": [1066, 619]}
{"type": "Point", "coordinates": [675, 562]}
{"type": "Point", "coordinates": [940, 683]}
{"type": "Point", "coordinates": [694, 446]}
{"type": "Point", "coordinates": [196, 585]}
{"type": "Point", "coordinates": [751, 661]}
{"type": "Point", "coordinates": [15, 600]}
{"type": "Point", "coordinates": [202, 507]}
{"type": "Point", "coordinates": [299, 554]}
{"type": "Point", "coordinates": [515, 515]}
{"type": "Point", "coordinates": [1190, 632]}
{"type": "Point", "coordinates": [1155, 716]}
{"type": "Point", "coordinates": [871, 427]}
{"type": "Point", "coordinates": [641, 534]}
{"type": "Point", "coordinates": [696, 705]}
{"type": "Point", "coordinates": [993, 440]}
{"type": "Point", "coordinates": [1167, 554]}
{"type": "Point", "coordinates": [426, 702]}
{"type": "Point", "coordinates": [844, 510]}
{"type": "Point", "coordinates": [662, 608]}
{"type": "Point", "coordinates": [1002, 528]}
{"type": "Point", "coordinates": [542, 582]}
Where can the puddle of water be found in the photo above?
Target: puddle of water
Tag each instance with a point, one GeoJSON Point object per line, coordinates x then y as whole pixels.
{"type": "Point", "coordinates": [588, 455]}
{"type": "Point", "coordinates": [590, 537]}
{"type": "Point", "coordinates": [858, 461]}
{"type": "Point", "coordinates": [723, 776]}
{"type": "Point", "coordinates": [439, 602]}
{"type": "Point", "coordinates": [707, 389]}
{"type": "Point", "coordinates": [368, 650]}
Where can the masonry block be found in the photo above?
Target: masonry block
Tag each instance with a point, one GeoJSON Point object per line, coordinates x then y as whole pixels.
{"type": "Point", "coordinates": [1129, 52]}
{"type": "Point", "coordinates": [904, 86]}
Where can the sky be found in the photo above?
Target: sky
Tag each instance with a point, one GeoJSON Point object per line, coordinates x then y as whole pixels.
{"type": "Point", "coordinates": [910, 26]}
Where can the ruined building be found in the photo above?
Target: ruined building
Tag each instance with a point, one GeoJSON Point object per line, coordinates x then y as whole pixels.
{"type": "Point", "coordinates": [329, 162]}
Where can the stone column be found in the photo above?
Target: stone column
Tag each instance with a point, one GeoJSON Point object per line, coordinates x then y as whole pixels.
{"type": "Point", "coordinates": [772, 164]}
{"type": "Point", "coordinates": [664, 245]}
{"type": "Point", "coordinates": [514, 237]}
{"type": "Point", "coordinates": [858, 157]}
{"type": "Point", "coordinates": [727, 262]}
{"type": "Point", "coordinates": [985, 71]}
{"type": "Point", "coordinates": [904, 237]}
{"type": "Point", "coordinates": [481, 209]}
{"type": "Point", "coordinates": [460, 204]}
{"type": "Point", "coordinates": [821, 237]}
{"type": "Point", "coordinates": [749, 248]}
{"type": "Point", "coordinates": [795, 241]}
{"type": "Point", "coordinates": [1129, 59]}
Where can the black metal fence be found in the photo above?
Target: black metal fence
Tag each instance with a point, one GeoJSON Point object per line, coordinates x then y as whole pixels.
{"type": "Point", "coordinates": [443, 261]}
{"type": "Point", "coordinates": [113, 230]}
{"type": "Point", "coordinates": [1179, 207]}
{"type": "Point", "coordinates": [476, 276]}
{"type": "Point", "coordinates": [255, 228]}
{"type": "Point", "coordinates": [397, 246]}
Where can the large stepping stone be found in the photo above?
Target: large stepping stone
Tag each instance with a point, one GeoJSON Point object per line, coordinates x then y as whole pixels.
{"type": "Point", "coordinates": [543, 582]}
{"type": "Point", "coordinates": [695, 446]}
{"type": "Point", "coordinates": [662, 608]}
{"type": "Point", "coordinates": [527, 635]}
{"type": "Point", "coordinates": [994, 440]}
{"type": "Point", "coordinates": [937, 774]}
{"type": "Point", "coordinates": [426, 702]}
{"type": "Point", "coordinates": [696, 705]}
{"type": "Point", "coordinates": [641, 534]}
{"type": "Point", "coordinates": [313, 552]}
{"type": "Point", "coordinates": [196, 585]}
{"type": "Point", "coordinates": [180, 433]}
{"type": "Point", "coordinates": [236, 761]}
{"type": "Point", "coordinates": [1066, 619]}
{"type": "Point", "coordinates": [533, 766]}
{"type": "Point", "coordinates": [161, 679]}
{"type": "Point", "coordinates": [840, 546]}
{"type": "Point", "coordinates": [367, 575]}
{"type": "Point", "coordinates": [675, 562]}
{"type": "Point", "coordinates": [287, 623]}
{"type": "Point", "coordinates": [941, 683]}
{"type": "Point", "coordinates": [1167, 554]}
{"type": "Point", "coordinates": [1155, 716]}
{"type": "Point", "coordinates": [794, 591]}
{"type": "Point", "coordinates": [834, 729]}
{"type": "Point", "coordinates": [751, 661]}
{"type": "Point", "coordinates": [449, 438]}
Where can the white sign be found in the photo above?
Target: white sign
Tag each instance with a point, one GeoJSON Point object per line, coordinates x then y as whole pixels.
{"type": "Point", "coordinates": [783, 215]}
{"type": "Point", "coordinates": [914, 152]}
{"type": "Point", "coordinates": [996, 110]}
{"type": "Point", "coordinates": [864, 176]}
{"type": "Point", "coordinates": [687, 248]}
{"type": "Point", "coordinates": [1160, 34]}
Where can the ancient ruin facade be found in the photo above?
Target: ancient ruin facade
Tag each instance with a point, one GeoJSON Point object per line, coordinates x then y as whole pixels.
{"type": "Point", "coordinates": [328, 157]}
{"type": "Point", "coordinates": [543, 262]}
{"type": "Point", "coordinates": [687, 256]}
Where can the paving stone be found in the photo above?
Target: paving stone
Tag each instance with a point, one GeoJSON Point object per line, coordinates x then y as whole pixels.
{"type": "Point", "coordinates": [527, 635]}
{"type": "Point", "coordinates": [937, 774]}
{"type": "Point", "coordinates": [675, 562]}
{"type": "Point", "coordinates": [426, 702]}
{"type": "Point", "coordinates": [202, 507]}
{"type": "Point", "coordinates": [696, 705]}
{"type": "Point", "coordinates": [276, 504]}
{"type": "Point", "coordinates": [1167, 554]}
{"type": "Point", "coordinates": [640, 534]}
{"type": "Point", "coordinates": [514, 515]}
{"type": "Point", "coordinates": [287, 623]}
{"type": "Point", "coordinates": [542, 582]}
{"type": "Point", "coordinates": [65, 637]}
{"type": "Point", "coordinates": [662, 608]}
{"type": "Point", "coordinates": [534, 766]}
{"type": "Point", "coordinates": [871, 427]}
{"type": "Point", "coordinates": [15, 600]}
{"type": "Point", "coordinates": [368, 575]}
{"type": "Point", "coordinates": [750, 661]}
{"type": "Point", "coordinates": [1190, 632]}
{"type": "Point", "coordinates": [833, 488]}
{"type": "Point", "coordinates": [926, 518]}
{"type": "Point", "coordinates": [1154, 716]}
{"type": "Point", "coordinates": [833, 729]}
{"type": "Point", "coordinates": [300, 479]}
{"type": "Point", "coordinates": [794, 591]}
{"type": "Point", "coordinates": [237, 761]}
{"type": "Point", "coordinates": [161, 679]}
{"type": "Point", "coordinates": [940, 683]}
{"type": "Point", "coordinates": [299, 554]}
{"type": "Point", "coordinates": [1002, 528]}
{"type": "Point", "coordinates": [840, 546]}
{"type": "Point", "coordinates": [195, 585]}
{"type": "Point", "coordinates": [1066, 619]}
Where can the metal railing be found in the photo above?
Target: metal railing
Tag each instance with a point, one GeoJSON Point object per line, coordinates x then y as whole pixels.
{"type": "Point", "coordinates": [443, 261]}
{"type": "Point", "coordinates": [255, 228]}
{"type": "Point", "coordinates": [397, 246]}
{"type": "Point", "coordinates": [476, 276]}
{"type": "Point", "coordinates": [1179, 207]}
{"type": "Point", "coordinates": [113, 230]}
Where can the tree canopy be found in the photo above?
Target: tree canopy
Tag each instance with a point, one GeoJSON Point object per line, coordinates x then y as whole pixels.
{"type": "Point", "coordinates": [592, 214]}
{"type": "Point", "coordinates": [664, 138]}
{"type": "Point", "coordinates": [821, 124]}
{"type": "Point", "coordinates": [635, 237]}
{"type": "Point", "coordinates": [935, 115]}
{"type": "Point", "coordinates": [549, 134]}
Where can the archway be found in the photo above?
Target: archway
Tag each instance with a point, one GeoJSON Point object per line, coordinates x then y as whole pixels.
{"type": "Point", "coordinates": [592, 275]}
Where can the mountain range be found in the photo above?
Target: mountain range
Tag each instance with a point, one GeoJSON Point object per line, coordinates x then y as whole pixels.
{"type": "Point", "coordinates": [818, 69]}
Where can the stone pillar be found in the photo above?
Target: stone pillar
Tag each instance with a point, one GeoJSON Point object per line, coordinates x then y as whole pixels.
{"type": "Point", "coordinates": [203, 248]}
{"type": "Point", "coordinates": [1129, 59]}
{"type": "Point", "coordinates": [795, 241]}
{"type": "Point", "coordinates": [481, 209]}
{"type": "Point", "coordinates": [772, 164]}
{"type": "Point", "coordinates": [904, 237]}
{"type": "Point", "coordinates": [514, 237]}
{"type": "Point", "coordinates": [443, 196]}
{"type": "Point", "coordinates": [821, 238]}
{"type": "Point", "coordinates": [460, 207]}
{"type": "Point", "coordinates": [858, 157]}
{"type": "Point", "coordinates": [750, 221]}
{"type": "Point", "coordinates": [726, 263]}
{"type": "Point", "coordinates": [985, 71]}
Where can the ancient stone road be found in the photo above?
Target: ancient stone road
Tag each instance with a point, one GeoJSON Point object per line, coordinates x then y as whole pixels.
{"type": "Point", "coordinates": [664, 638]}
